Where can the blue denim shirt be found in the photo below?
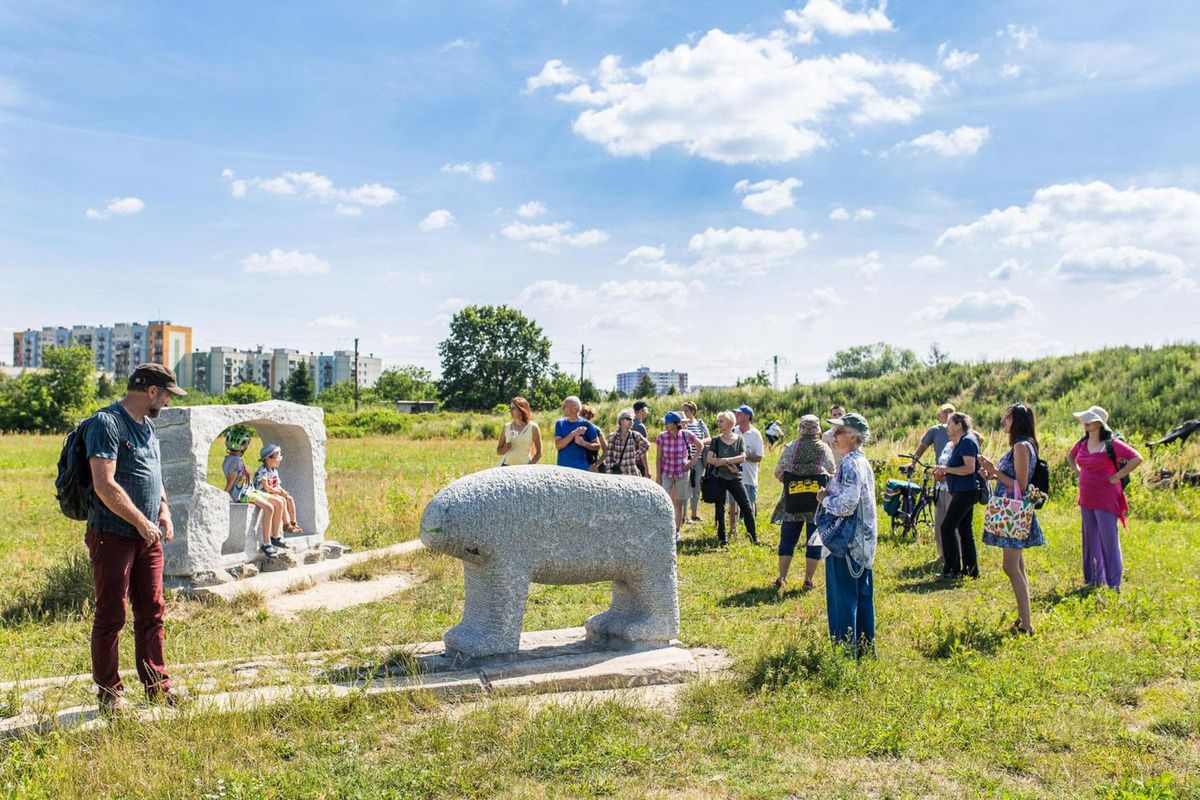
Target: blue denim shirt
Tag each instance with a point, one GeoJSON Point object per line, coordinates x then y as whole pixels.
{"type": "Point", "coordinates": [114, 435]}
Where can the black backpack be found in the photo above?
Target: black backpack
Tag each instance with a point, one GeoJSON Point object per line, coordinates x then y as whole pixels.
{"type": "Point", "coordinates": [73, 486]}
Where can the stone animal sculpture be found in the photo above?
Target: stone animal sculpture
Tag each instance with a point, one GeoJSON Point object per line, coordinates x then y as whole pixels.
{"type": "Point", "coordinates": [514, 525]}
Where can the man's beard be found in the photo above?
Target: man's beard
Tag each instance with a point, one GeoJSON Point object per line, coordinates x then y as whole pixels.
{"type": "Point", "coordinates": [152, 412]}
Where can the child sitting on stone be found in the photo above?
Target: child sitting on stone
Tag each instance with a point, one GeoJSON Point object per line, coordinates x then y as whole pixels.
{"type": "Point", "coordinates": [266, 479]}
{"type": "Point", "coordinates": [241, 489]}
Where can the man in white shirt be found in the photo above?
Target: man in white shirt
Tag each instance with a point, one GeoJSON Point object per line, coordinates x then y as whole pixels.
{"type": "Point", "coordinates": [753, 439]}
{"type": "Point", "coordinates": [836, 411]}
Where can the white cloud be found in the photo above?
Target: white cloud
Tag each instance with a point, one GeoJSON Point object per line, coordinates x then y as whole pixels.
{"type": "Point", "coordinates": [739, 98]}
{"type": "Point", "coordinates": [334, 321]}
{"type": "Point", "coordinates": [548, 237]}
{"type": "Point", "coordinates": [1011, 71]}
{"type": "Point", "coordinates": [648, 257]}
{"type": "Point", "coordinates": [868, 265]}
{"type": "Point", "coordinates": [1095, 233]}
{"type": "Point", "coordinates": [437, 220]}
{"type": "Point", "coordinates": [768, 197]}
{"type": "Point", "coordinates": [955, 60]}
{"type": "Point", "coordinates": [839, 214]}
{"type": "Point", "coordinates": [977, 309]}
{"type": "Point", "coordinates": [407, 278]}
{"type": "Point", "coordinates": [928, 263]}
{"type": "Point", "coordinates": [118, 206]}
{"type": "Point", "coordinates": [394, 339]}
{"type": "Point", "coordinates": [1123, 264]}
{"type": "Point", "coordinates": [864, 214]}
{"type": "Point", "coordinates": [482, 171]}
{"type": "Point", "coordinates": [548, 293]}
{"type": "Point", "coordinates": [554, 73]}
{"type": "Point", "coordinates": [832, 17]}
{"type": "Point", "coordinates": [1021, 36]}
{"type": "Point", "coordinates": [533, 208]}
{"type": "Point", "coordinates": [451, 304]}
{"type": "Point", "coordinates": [459, 44]}
{"type": "Point", "coordinates": [314, 186]}
{"type": "Point", "coordinates": [745, 251]}
{"type": "Point", "coordinates": [1007, 269]}
{"type": "Point", "coordinates": [962, 141]}
{"type": "Point", "coordinates": [279, 262]}
{"type": "Point", "coordinates": [827, 296]}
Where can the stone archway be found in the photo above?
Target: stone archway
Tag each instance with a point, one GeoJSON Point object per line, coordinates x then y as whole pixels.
{"type": "Point", "coordinates": [206, 544]}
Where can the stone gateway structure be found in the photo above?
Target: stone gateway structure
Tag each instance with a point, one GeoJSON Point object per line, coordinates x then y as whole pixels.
{"type": "Point", "coordinates": [213, 534]}
{"type": "Point", "coordinates": [511, 526]}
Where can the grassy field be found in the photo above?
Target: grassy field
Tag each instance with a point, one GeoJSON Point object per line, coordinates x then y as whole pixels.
{"type": "Point", "coordinates": [1103, 702]}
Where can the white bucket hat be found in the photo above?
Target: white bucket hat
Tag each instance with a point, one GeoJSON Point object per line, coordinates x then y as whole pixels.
{"type": "Point", "coordinates": [1093, 414]}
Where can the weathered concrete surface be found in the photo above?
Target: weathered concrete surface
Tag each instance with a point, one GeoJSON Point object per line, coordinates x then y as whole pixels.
{"type": "Point", "coordinates": [336, 595]}
{"type": "Point", "coordinates": [548, 661]}
{"type": "Point", "coordinates": [205, 542]}
{"type": "Point", "coordinates": [543, 524]}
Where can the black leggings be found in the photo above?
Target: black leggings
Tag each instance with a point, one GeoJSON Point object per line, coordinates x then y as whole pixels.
{"type": "Point", "coordinates": [738, 491]}
{"type": "Point", "coordinates": [958, 535]}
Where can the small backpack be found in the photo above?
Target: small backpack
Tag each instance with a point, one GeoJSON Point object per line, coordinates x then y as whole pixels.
{"type": "Point", "coordinates": [73, 486]}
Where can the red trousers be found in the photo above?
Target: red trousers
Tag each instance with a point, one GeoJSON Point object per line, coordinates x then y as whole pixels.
{"type": "Point", "coordinates": [122, 566]}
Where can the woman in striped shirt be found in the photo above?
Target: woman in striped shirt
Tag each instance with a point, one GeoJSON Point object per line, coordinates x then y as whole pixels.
{"type": "Point", "coordinates": [700, 431]}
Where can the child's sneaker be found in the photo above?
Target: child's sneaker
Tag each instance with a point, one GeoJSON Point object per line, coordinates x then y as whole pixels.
{"type": "Point", "coordinates": [279, 543]}
{"type": "Point", "coordinates": [269, 550]}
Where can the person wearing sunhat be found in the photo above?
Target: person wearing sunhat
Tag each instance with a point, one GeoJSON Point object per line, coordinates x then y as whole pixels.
{"type": "Point", "coordinates": [847, 530]}
{"type": "Point", "coordinates": [1102, 460]}
{"type": "Point", "coordinates": [676, 445]}
{"type": "Point", "coordinates": [128, 521]}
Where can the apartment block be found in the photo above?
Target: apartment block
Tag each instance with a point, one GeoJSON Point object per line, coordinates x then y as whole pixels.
{"type": "Point", "coordinates": [116, 349]}
{"type": "Point", "coordinates": [627, 382]}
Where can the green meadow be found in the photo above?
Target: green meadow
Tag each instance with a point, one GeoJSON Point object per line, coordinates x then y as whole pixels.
{"type": "Point", "coordinates": [1103, 702]}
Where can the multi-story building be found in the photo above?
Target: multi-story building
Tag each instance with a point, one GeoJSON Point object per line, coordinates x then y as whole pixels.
{"type": "Point", "coordinates": [221, 368]}
{"type": "Point", "coordinates": [627, 382]}
{"type": "Point", "coordinates": [116, 349]}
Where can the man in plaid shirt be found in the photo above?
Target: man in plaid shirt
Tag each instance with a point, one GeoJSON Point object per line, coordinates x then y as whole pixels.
{"type": "Point", "coordinates": [674, 463]}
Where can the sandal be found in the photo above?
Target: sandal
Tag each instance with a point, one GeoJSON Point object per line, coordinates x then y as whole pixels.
{"type": "Point", "coordinates": [780, 585]}
{"type": "Point", "coordinates": [807, 586]}
{"type": "Point", "coordinates": [292, 527]}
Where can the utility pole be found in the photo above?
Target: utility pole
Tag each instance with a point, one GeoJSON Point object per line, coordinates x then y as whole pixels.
{"type": "Point", "coordinates": [355, 374]}
{"type": "Point", "coordinates": [582, 361]}
{"type": "Point", "coordinates": [776, 358]}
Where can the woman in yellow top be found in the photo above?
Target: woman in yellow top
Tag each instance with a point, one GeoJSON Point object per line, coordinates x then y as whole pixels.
{"type": "Point", "coordinates": [520, 440]}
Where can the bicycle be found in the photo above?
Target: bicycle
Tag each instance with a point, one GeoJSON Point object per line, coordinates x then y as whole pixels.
{"type": "Point", "coordinates": [909, 504]}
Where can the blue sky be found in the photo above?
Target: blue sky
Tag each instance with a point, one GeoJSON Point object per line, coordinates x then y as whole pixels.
{"type": "Point", "coordinates": [697, 186]}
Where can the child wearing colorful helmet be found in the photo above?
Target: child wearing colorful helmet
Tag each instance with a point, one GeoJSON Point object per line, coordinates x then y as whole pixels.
{"type": "Point", "coordinates": [241, 490]}
{"type": "Point", "coordinates": [266, 479]}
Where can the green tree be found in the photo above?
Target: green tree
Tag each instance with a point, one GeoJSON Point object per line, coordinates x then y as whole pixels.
{"type": "Point", "coordinates": [105, 388]}
{"type": "Point", "coordinates": [937, 357]}
{"type": "Point", "coordinates": [491, 354]}
{"type": "Point", "coordinates": [54, 398]}
{"type": "Point", "coordinates": [672, 391]}
{"type": "Point", "coordinates": [299, 387]}
{"type": "Point", "coordinates": [407, 382]}
{"type": "Point", "coordinates": [549, 392]}
{"type": "Point", "coordinates": [341, 395]}
{"type": "Point", "coordinates": [588, 392]}
{"type": "Point", "coordinates": [612, 396]}
{"type": "Point", "coordinates": [245, 393]}
{"type": "Point", "coordinates": [645, 387]}
{"type": "Point", "coordinates": [871, 361]}
{"type": "Point", "coordinates": [760, 378]}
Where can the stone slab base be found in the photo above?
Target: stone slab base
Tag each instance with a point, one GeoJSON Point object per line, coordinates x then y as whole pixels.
{"type": "Point", "coordinates": [270, 584]}
{"type": "Point", "coordinates": [548, 662]}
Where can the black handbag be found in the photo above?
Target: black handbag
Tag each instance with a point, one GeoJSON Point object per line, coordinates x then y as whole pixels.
{"type": "Point", "coordinates": [712, 488]}
{"type": "Point", "coordinates": [615, 467]}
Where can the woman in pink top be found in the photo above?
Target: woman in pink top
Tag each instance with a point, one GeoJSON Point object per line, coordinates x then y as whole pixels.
{"type": "Point", "coordinates": [1101, 461]}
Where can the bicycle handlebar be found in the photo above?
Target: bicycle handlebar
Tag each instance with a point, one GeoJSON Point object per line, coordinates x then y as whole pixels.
{"type": "Point", "coordinates": [915, 460]}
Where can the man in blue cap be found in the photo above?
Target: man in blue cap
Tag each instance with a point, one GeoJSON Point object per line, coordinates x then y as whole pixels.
{"type": "Point", "coordinates": [753, 440]}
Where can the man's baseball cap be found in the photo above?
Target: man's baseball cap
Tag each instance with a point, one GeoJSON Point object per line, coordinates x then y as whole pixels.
{"type": "Point", "coordinates": [745, 409]}
{"type": "Point", "coordinates": [152, 374]}
{"type": "Point", "coordinates": [640, 404]}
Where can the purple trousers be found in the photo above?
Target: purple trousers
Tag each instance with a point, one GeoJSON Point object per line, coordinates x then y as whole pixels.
{"type": "Point", "coordinates": [1101, 549]}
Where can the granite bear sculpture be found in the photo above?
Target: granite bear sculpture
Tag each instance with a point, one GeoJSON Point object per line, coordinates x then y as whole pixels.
{"type": "Point", "coordinates": [515, 525]}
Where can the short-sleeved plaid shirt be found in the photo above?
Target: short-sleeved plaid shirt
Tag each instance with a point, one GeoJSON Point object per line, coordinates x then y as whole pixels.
{"type": "Point", "coordinates": [624, 454]}
{"type": "Point", "coordinates": [673, 450]}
